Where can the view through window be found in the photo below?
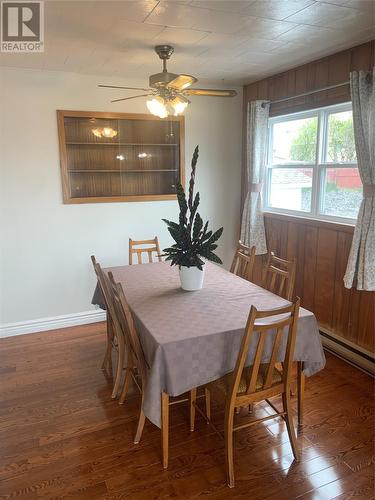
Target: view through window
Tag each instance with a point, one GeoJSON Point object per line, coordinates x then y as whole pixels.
{"type": "Point", "coordinates": [312, 164]}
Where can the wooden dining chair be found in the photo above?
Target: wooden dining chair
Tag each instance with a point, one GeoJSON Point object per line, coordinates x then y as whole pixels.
{"type": "Point", "coordinates": [140, 376]}
{"type": "Point", "coordinates": [243, 261]}
{"type": "Point", "coordinates": [279, 277]}
{"type": "Point", "coordinates": [115, 337]}
{"type": "Point", "coordinates": [139, 247]}
{"type": "Point", "coordinates": [111, 343]}
{"type": "Point", "coordinates": [260, 381]}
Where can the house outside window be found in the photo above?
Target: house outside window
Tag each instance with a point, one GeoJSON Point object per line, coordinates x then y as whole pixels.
{"type": "Point", "coordinates": [312, 165]}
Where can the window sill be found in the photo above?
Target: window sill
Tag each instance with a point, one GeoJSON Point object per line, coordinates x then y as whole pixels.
{"type": "Point", "coordinates": [310, 221]}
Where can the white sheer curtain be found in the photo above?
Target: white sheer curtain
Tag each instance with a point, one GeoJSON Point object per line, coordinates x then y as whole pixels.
{"type": "Point", "coordinates": [252, 224]}
{"type": "Point", "coordinates": [360, 271]}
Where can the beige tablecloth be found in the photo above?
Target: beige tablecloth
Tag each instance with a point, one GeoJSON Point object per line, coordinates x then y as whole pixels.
{"type": "Point", "coordinates": [191, 338]}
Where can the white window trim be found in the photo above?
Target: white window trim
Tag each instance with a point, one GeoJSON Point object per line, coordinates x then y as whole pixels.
{"type": "Point", "coordinates": [317, 167]}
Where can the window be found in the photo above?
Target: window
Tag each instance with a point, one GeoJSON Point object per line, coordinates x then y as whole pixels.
{"type": "Point", "coordinates": [312, 164]}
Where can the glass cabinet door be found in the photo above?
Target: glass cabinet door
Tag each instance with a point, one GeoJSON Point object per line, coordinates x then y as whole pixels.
{"type": "Point", "coordinates": [121, 157]}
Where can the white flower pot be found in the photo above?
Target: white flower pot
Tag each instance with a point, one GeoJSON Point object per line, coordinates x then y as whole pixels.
{"type": "Point", "coordinates": [191, 278]}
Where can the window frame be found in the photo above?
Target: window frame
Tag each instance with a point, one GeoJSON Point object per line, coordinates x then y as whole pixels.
{"type": "Point", "coordinates": [319, 167]}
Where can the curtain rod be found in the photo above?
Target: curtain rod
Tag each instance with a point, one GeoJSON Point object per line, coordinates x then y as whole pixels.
{"type": "Point", "coordinates": [311, 92]}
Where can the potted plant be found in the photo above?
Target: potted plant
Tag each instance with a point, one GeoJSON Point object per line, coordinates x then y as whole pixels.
{"type": "Point", "coordinates": [194, 242]}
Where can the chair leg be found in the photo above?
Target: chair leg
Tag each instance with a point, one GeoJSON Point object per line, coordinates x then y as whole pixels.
{"type": "Point", "coordinates": [208, 403]}
{"type": "Point", "coordinates": [192, 399]}
{"type": "Point", "coordinates": [108, 352]}
{"type": "Point", "coordinates": [128, 375]}
{"type": "Point", "coordinates": [125, 387]}
{"type": "Point", "coordinates": [289, 424]}
{"type": "Point", "coordinates": [107, 356]}
{"type": "Point", "coordinates": [165, 427]}
{"type": "Point", "coordinates": [141, 424]}
{"type": "Point", "coordinates": [120, 367]}
{"type": "Point", "coordinates": [229, 417]}
{"type": "Point", "coordinates": [300, 391]}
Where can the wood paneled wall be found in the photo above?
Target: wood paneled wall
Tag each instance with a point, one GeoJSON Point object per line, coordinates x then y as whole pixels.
{"type": "Point", "coordinates": [330, 70]}
{"type": "Point", "coordinates": [321, 248]}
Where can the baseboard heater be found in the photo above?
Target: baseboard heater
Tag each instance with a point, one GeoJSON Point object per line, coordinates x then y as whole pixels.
{"type": "Point", "coordinates": [356, 356]}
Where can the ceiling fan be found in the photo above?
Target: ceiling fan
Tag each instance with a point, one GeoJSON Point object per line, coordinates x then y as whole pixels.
{"type": "Point", "coordinates": [169, 91]}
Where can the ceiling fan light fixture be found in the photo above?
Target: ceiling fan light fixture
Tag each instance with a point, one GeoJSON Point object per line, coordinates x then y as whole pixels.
{"type": "Point", "coordinates": [168, 91]}
{"type": "Point", "coordinates": [157, 107]}
{"type": "Point", "coordinates": [179, 104]}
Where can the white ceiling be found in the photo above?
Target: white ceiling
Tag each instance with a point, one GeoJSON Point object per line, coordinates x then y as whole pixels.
{"type": "Point", "coordinates": [219, 41]}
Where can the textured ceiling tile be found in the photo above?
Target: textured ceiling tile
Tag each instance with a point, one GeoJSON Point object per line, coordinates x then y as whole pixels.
{"type": "Point", "coordinates": [175, 15]}
{"type": "Point", "coordinates": [265, 28]}
{"type": "Point", "coordinates": [323, 14]}
{"type": "Point", "coordinates": [134, 10]}
{"type": "Point", "coordinates": [219, 22]}
{"type": "Point", "coordinates": [188, 16]}
{"type": "Point", "coordinates": [179, 36]}
{"type": "Point", "coordinates": [337, 2]}
{"type": "Point", "coordinates": [302, 33]}
{"type": "Point", "coordinates": [261, 45]}
{"type": "Point", "coordinates": [249, 57]}
{"type": "Point", "coordinates": [224, 5]}
{"type": "Point", "coordinates": [364, 5]}
{"type": "Point", "coordinates": [277, 9]}
{"type": "Point", "coordinates": [130, 34]}
{"type": "Point", "coordinates": [357, 22]}
{"type": "Point", "coordinates": [215, 40]}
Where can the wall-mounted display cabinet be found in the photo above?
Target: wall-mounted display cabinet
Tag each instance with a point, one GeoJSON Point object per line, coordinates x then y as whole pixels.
{"type": "Point", "coordinates": [107, 157]}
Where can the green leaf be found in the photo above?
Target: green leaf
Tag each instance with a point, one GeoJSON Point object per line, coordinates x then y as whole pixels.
{"type": "Point", "coordinates": [194, 208]}
{"type": "Point", "coordinates": [171, 223]}
{"type": "Point", "coordinates": [192, 176]}
{"type": "Point", "coordinates": [213, 257]}
{"type": "Point", "coordinates": [207, 236]}
{"type": "Point", "coordinates": [198, 224]}
{"type": "Point", "coordinates": [181, 198]}
{"type": "Point", "coordinates": [216, 235]}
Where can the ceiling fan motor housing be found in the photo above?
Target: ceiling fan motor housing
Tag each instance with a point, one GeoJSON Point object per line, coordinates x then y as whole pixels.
{"type": "Point", "coordinates": [161, 79]}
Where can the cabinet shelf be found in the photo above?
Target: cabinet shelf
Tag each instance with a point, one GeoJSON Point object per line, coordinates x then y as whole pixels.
{"type": "Point", "coordinates": [115, 170]}
{"type": "Point", "coordinates": [107, 171]}
{"type": "Point", "coordinates": [118, 144]}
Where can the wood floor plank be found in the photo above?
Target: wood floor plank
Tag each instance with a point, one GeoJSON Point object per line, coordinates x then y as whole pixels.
{"type": "Point", "coordinates": [62, 436]}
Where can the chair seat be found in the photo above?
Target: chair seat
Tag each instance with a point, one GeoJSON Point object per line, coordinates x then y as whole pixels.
{"type": "Point", "coordinates": [221, 386]}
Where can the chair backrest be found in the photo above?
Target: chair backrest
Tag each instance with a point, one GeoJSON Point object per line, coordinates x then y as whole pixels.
{"type": "Point", "coordinates": [266, 328]}
{"type": "Point", "coordinates": [243, 261]}
{"type": "Point", "coordinates": [144, 246]}
{"type": "Point", "coordinates": [127, 325]}
{"type": "Point", "coordinates": [103, 285]}
{"type": "Point", "coordinates": [279, 276]}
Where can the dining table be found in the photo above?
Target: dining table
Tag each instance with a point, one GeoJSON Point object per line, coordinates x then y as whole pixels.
{"type": "Point", "coordinates": [192, 338]}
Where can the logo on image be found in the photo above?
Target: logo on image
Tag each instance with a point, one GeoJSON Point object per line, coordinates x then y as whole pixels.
{"type": "Point", "coordinates": [22, 26]}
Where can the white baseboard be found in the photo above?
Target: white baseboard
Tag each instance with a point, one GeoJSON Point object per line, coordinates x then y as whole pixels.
{"type": "Point", "coordinates": [53, 323]}
{"type": "Point", "coordinates": [354, 356]}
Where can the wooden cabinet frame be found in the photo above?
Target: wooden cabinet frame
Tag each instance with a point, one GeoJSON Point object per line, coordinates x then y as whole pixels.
{"type": "Point", "coordinates": [66, 181]}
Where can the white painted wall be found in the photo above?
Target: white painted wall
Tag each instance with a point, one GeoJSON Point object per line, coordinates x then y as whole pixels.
{"type": "Point", "coordinates": [46, 245]}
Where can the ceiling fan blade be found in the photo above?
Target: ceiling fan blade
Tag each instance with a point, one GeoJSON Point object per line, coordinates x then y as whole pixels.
{"type": "Point", "coordinates": [211, 92]}
{"type": "Point", "coordinates": [182, 82]}
{"type": "Point", "coordinates": [124, 88]}
{"type": "Point", "coordinates": [132, 97]}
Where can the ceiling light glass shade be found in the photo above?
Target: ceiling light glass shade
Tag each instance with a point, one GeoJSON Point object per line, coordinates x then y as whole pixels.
{"type": "Point", "coordinates": [179, 104]}
{"type": "Point", "coordinates": [157, 107]}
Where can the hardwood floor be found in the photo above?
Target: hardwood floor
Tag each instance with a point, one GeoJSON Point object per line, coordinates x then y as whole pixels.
{"type": "Point", "coordinates": [61, 435]}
